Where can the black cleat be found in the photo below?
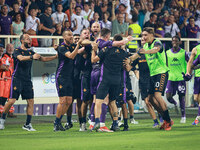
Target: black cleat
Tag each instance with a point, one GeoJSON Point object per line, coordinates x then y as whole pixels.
{"type": "Point", "coordinates": [115, 128]}
{"type": "Point", "coordinates": [96, 127]}
{"type": "Point", "coordinates": [125, 128]}
{"type": "Point", "coordinates": [68, 126]}
{"type": "Point", "coordinates": [58, 127]}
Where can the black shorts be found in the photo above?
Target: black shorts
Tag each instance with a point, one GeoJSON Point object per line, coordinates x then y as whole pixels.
{"type": "Point", "coordinates": [76, 88]}
{"type": "Point", "coordinates": [85, 89]}
{"type": "Point", "coordinates": [21, 87]}
{"type": "Point", "coordinates": [158, 83]}
{"type": "Point", "coordinates": [64, 86]}
{"type": "Point", "coordinates": [144, 90]}
{"type": "Point", "coordinates": [105, 87]}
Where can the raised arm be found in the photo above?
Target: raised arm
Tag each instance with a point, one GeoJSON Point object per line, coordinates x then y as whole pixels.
{"type": "Point", "coordinates": [113, 10]}
{"type": "Point", "coordinates": [73, 54]}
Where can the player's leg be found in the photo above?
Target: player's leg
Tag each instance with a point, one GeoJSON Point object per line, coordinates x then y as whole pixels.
{"type": "Point", "coordinates": [92, 117]}
{"type": "Point", "coordinates": [125, 116]}
{"type": "Point", "coordinates": [171, 89]}
{"type": "Point", "coordinates": [69, 124]}
{"type": "Point", "coordinates": [59, 113]}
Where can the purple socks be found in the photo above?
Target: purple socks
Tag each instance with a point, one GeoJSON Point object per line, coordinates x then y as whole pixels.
{"type": "Point", "coordinates": [103, 113]}
{"type": "Point", "coordinates": [92, 113]}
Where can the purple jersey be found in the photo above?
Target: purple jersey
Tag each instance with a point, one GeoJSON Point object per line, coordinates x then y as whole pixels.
{"type": "Point", "coordinates": [192, 31]}
{"type": "Point", "coordinates": [5, 22]}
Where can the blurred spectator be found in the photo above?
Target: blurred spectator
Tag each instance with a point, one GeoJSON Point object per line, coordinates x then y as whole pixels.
{"type": "Point", "coordinates": [70, 10]}
{"type": "Point", "coordinates": [192, 31]}
{"type": "Point", "coordinates": [104, 7]}
{"type": "Point", "coordinates": [141, 8]}
{"type": "Point", "coordinates": [184, 20]}
{"type": "Point", "coordinates": [152, 21]}
{"type": "Point", "coordinates": [46, 27]}
{"type": "Point", "coordinates": [165, 18]}
{"type": "Point", "coordinates": [118, 24]}
{"type": "Point", "coordinates": [105, 22]}
{"type": "Point", "coordinates": [176, 16]}
{"type": "Point", "coordinates": [87, 13]}
{"type": "Point", "coordinates": [16, 10]}
{"type": "Point", "coordinates": [68, 27]}
{"type": "Point", "coordinates": [159, 30]}
{"type": "Point", "coordinates": [21, 8]}
{"type": "Point", "coordinates": [32, 25]}
{"type": "Point", "coordinates": [134, 30]}
{"type": "Point", "coordinates": [5, 21]}
{"type": "Point", "coordinates": [183, 3]}
{"type": "Point", "coordinates": [78, 20]}
{"type": "Point", "coordinates": [79, 3]}
{"type": "Point", "coordinates": [94, 19]}
{"type": "Point", "coordinates": [150, 10]}
{"type": "Point", "coordinates": [76, 38]}
{"type": "Point", "coordinates": [58, 31]}
{"type": "Point", "coordinates": [171, 28]}
{"type": "Point", "coordinates": [97, 8]}
{"type": "Point", "coordinates": [17, 28]}
{"type": "Point", "coordinates": [128, 7]}
{"type": "Point", "coordinates": [59, 16]}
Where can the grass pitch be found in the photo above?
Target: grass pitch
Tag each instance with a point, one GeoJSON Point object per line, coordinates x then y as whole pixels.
{"type": "Point", "coordinates": [139, 137]}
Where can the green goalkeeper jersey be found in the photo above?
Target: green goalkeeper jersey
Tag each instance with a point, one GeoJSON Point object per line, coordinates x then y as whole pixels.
{"type": "Point", "coordinates": [197, 71]}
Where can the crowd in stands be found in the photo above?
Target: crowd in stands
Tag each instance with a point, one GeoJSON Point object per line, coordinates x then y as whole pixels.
{"type": "Point", "coordinates": [52, 17]}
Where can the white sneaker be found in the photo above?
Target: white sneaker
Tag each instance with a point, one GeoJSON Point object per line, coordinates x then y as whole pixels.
{"type": "Point", "coordinates": [132, 121]}
{"type": "Point", "coordinates": [83, 127]}
{"type": "Point", "coordinates": [28, 127]}
{"type": "Point", "coordinates": [183, 120]}
{"type": "Point", "coordinates": [2, 121]}
{"type": "Point", "coordinates": [120, 124]}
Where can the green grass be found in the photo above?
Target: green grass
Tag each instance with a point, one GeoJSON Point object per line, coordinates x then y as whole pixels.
{"type": "Point", "coordinates": [141, 136]}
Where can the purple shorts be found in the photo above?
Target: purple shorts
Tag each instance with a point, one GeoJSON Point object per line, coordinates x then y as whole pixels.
{"type": "Point", "coordinates": [197, 85]}
{"type": "Point", "coordinates": [95, 75]}
{"type": "Point", "coordinates": [176, 86]}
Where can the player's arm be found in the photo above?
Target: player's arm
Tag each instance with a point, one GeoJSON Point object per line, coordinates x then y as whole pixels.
{"type": "Point", "coordinates": [95, 58]}
{"type": "Point", "coordinates": [195, 64]}
{"type": "Point", "coordinates": [158, 47]}
{"type": "Point", "coordinates": [189, 64]}
{"type": "Point", "coordinates": [31, 57]}
{"type": "Point", "coordinates": [122, 42]}
{"type": "Point", "coordinates": [50, 58]}
{"type": "Point", "coordinates": [136, 72]}
{"type": "Point", "coordinates": [72, 55]}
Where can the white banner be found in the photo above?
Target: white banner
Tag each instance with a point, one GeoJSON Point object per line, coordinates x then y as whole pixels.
{"type": "Point", "coordinates": [44, 79]}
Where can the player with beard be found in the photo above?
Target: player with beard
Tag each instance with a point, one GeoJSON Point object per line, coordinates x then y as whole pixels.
{"type": "Point", "coordinates": [110, 79]}
{"type": "Point", "coordinates": [95, 75]}
{"type": "Point", "coordinates": [64, 76]}
{"type": "Point", "coordinates": [95, 29]}
{"type": "Point", "coordinates": [21, 79]}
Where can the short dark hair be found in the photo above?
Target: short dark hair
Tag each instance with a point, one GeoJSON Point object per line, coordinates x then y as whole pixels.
{"type": "Point", "coordinates": [150, 30]}
{"type": "Point", "coordinates": [191, 18]}
{"type": "Point", "coordinates": [78, 6]}
{"type": "Point", "coordinates": [134, 17]}
{"type": "Point", "coordinates": [46, 7]}
{"type": "Point", "coordinates": [105, 31]}
{"type": "Point", "coordinates": [117, 37]}
{"type": "Point", "coordinates": [14, 18]}
{"type": "Point", "coordinates": [177, 37]}
{"type": "Point", "coordinates": [84, 29]}
{"type": "Point", "coordinates": [14, 3]}
{"type": "Point", "coordinates": [4, 6]}
{"type": "Point", "coordinates": [152, 14]}
{"type": "Point", "coordinates": [87, 3]}
{"type": "Point", "coordinates": [76, 34]}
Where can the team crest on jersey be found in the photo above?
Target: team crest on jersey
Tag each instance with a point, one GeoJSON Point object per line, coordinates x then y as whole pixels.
{"type": "Point", "coordinates": [84, 90]}
{"type": "Point", "coordinates": [16, 49]}
{"type": "Point", "coordinates": [73, 47]}
{"type": "Point", "coordinates": [30, 53]}
{"type": "Point", "coordinates": [60, 86]}
{"type": "Point", "coordinates": [22, 53]}
{"type": "Point", "coordinates": [126, 89]}
{"type": "Point", "coordinates": [62, 45]}
{"type": "Point", "coordinates": [120, 94]}
{"type": "Point", "coordinates": [117, 51]}
{"type": "Point", "coordinates": [15, 88]}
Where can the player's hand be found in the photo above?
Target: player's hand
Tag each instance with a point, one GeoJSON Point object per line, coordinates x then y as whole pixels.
{"type": "Point", "coordinates": [128, 67]}
{"type": "Point", "coordinates": [187, 77]}
{"type": "Point", "coordinates": [36, 56]}
{"type": "Point", "coordinates": [52, 30]}
{"type": "Point", "coordinates": [80, 41]}
{"type": "Point", "coordinates": [126, 61]}
{"type": "Point", "coordinates": [55, 47]}
{"type": "Point", "coordinates": [142, 51]}
{"type": "Point", "coordinates": [95, 46]}
{"type": "Point", "coordinates": [130, 38]}
{"type": "Point", "coordinates": [37, 21]}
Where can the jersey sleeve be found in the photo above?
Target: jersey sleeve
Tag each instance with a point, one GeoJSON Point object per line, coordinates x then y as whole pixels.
{"type": "Point", "coordinates": [16, 53]}
{"type": "Point", "coordinates": [134, 64]}
{"type": "Point", "coordinates": [105, 44]}
{"type": "Point", "coordinates": [187, 57]}
{"type": "Point", "coordinates": [160, 45]}
{"type": "Point", "coordinates": [62, 49]}
{"type": "Point", "coordinates": [196, 61]}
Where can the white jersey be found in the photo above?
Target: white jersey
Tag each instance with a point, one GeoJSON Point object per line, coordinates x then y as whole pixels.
{"type": "Point", "coordinates": [58, 18]}
{"type": "Point", "coordinates": [31, 23]}
{"type": "Point", "coordinates": [81, 23]}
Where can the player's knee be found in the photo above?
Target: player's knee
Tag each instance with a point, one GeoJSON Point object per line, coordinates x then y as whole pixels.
{"type": "Point", "coordinates": [196, 97]}
{"type": "Point", "coordinates": [69, 102]}
{"type": "Point", "coordinates": [12, 101]}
